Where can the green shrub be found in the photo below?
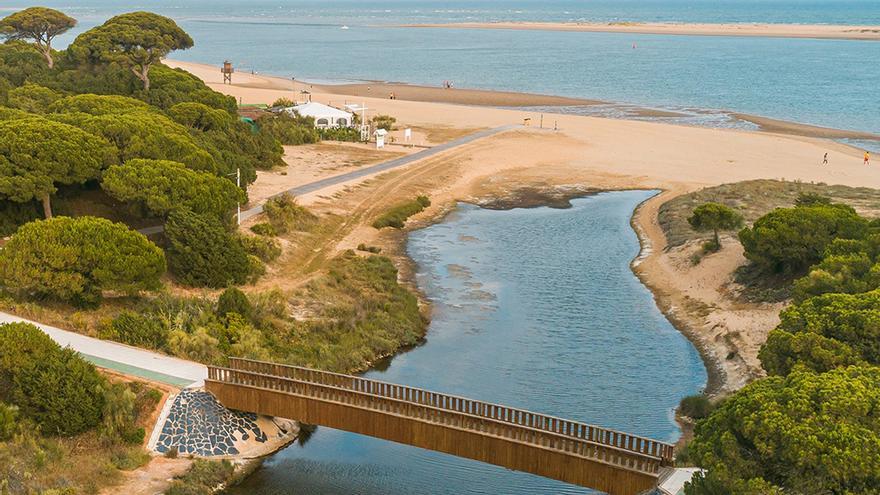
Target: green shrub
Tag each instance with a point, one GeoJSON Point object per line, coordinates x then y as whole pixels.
{"type": "Point", "coordinates": [119, 415]}
{"type": "Point", "coordinates": [8, 421]}
{"type": "Point", "coordinates": [369, 249]}
{"type": "Point", "coordinates": [850, 274]}
{"type": "Point", "coordinates": [264, 229]}
{"type": "Point", "coordinates": [138, 330]}
{"type": "Point", "coordinates": [344, 134]}
{"type": "Point", "coordinates": [262, 247]}
{"type": "Point", "coordinates": [202, 253]}
{"type": "Point", "coordinates": [199, 345]}
{"type": "Point", "coordinates": [202, 478]}
{"type": "Point", "coordinates": [695, 406]}
{"type": "Point", "coordinates": [129, 459]}
{"type": "Point", "coordinates": [396, 217]}
{"type": "Point", "coordinates": [75, 259]}
{"type": "Point", "coordinates": [256, 269]}
{"type": "Point", "coordinates": [289, 130]}
{"type": "Point", "coordinates": [283, 103]}
{"type": "Point", "coordinates": [233, 300]}
{"type": "Point", "coordinates": [134, 436]}
{"type": "Point", "coordinates": [52, 386]}
{"type": "Point", "coordinates": [790, 240]}
{"type": "Point", "coordinates": [384, 122]}
{"type": "Point", "coordinates": [812, 199]}
{"type": "Point", "coordinates": [804, 433]}
{"type": "Point", "coordinates": [285, 215]}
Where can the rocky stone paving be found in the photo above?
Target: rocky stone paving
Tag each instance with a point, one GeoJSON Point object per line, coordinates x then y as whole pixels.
{"type": "Point", "coordinates": [199, 425]}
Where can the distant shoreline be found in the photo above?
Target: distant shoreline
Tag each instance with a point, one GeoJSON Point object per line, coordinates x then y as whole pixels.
{"type": "Point", "coordinates": [812, 31]}
{"type": "Point", "coordinates": [499, 98]}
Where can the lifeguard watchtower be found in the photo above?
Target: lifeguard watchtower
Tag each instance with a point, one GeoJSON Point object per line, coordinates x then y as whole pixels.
{"type": "Point", "coordinates": [227, 71]}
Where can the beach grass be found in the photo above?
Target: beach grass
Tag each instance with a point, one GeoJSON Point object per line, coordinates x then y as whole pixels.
{"type": "Point", "coordinates": [396, 217]}
{"type": "Point", "coordinates": [360, 313]}
{"type": "Point", "coordinates": [753, 199]}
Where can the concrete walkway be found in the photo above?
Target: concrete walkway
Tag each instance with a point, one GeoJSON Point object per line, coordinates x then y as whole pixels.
{"type": "Point", "coordinates": [124, 359]}
{"type": "Point", "coordinates": [366, 171]}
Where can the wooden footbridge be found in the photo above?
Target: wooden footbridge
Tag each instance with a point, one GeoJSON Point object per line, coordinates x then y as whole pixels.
{"type": "Point", "coordinates": [606, 460]}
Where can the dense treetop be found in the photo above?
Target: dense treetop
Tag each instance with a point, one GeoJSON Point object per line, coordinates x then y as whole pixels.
{"type": "Point", "coordinates": [202, 253]}
{"type": "Point", "coordinates": [53, 386]}
{"type": "Point", "coordinates": [32, 98]}
{"type": "Point", "coordinates": [161, 186]}
{"type": "Point", "coordinates": [75, 259]}
{"type": "Point", "coordinates": [137, 40]}
{"type": "Point", "coordinates": [790, 240]}
{"type": "Point", "coordinates": [93, 104]}
{"type": "Point", "coordinates": [144, 134]}
{"type": "Point", "coordinates": [39, 24]}
{"type": "Point", "coordinates": [805, 433]}
{"type": "Point", "coordinates": [825, 332]}
{"type": "Point", "coordinates": [37, 154]}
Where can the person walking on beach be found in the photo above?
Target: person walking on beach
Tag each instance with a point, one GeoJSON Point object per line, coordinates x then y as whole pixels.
{"type": "Point", "coordinates": [867, 158]}
{"type": "Point", "coordinates": [825, 159]}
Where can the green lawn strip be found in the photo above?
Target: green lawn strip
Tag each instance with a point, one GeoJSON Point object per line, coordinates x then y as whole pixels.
{"type": "Point", "coordinates": [139, 372]}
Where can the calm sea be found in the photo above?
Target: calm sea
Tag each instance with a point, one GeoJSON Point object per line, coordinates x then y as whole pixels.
{"type": "Point", "coordinates": [825, 82]}
{"type": "Point", "coordinates": [536, 309]}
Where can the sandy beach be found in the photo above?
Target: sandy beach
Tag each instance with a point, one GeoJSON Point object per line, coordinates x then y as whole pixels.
{"type": "Point", "coordinates": [814, 31]}
{"type": "Point", "coordinates": [583, 152]}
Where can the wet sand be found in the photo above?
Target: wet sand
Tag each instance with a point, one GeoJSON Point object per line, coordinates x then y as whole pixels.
{"type": "Point", "coordinates": [814, 31]}
{"type": "Point", "coordinates": [796, 129]}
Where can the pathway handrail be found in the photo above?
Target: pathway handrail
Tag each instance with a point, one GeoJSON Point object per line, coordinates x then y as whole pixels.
{"type": "Point", "coordinates": [514, 416]}
{"type": "Point", "coordinates": [594, 451]}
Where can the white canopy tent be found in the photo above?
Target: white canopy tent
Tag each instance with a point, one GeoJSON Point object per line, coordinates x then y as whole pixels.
{"type": "Point", "coordinates": [325, 116]}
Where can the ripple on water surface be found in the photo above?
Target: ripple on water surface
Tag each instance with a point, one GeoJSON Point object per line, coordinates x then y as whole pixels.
{"type": "Point", "coordinates": [535, 309]}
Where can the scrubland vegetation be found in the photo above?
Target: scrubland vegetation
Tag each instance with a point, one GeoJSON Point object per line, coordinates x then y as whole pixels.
{"type": "Point", "coordinates": [62, 424]}
{"type": "Point", "coordinates": [104, 129]}
{"type": "Point", "coordinates": [811, 425]}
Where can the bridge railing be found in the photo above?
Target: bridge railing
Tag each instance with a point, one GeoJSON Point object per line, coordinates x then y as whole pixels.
{"type": "Point", "coordinates": [484, 425]}
{"type": "Point", "coordinates": [519, 417]}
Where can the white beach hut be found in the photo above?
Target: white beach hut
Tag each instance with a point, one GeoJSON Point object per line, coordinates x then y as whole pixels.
{"type": "Point", "coordinates": [380, 138]}
{"type": "Point", "coordinates": [325, 116]}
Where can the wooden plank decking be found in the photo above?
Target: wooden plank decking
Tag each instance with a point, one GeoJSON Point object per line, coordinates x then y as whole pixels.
{"type": "Point", "coordinates": [570, 451]}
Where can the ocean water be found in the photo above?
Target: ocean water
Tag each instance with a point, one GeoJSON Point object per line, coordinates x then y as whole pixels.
{"type": "Point", "coordinates": [833, 83]}
{"type": "Point", "coordinates": [534, 308]}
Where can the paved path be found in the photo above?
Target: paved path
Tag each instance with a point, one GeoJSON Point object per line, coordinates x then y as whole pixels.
{"type": "Point", "coordinates": [366, 171]}
{"type": "Point", "coordinates": [124, 359]}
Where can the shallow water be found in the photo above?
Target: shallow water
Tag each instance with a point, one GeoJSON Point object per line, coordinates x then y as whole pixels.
{"type": "Point", "coordinates": [825, 82]}
{"type": "Point", "coordinates": [536, 309]}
